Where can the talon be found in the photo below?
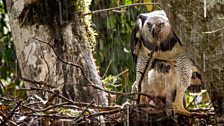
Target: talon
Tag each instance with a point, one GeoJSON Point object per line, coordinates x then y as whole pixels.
{"type": "Point", "coordinates": [180, 110]}
{"type": "Point", "coordinates": [143, 100]}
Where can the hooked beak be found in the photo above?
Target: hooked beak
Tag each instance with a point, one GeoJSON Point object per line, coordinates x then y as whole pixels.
{"type": "Point", "coordinates": [153, 31]}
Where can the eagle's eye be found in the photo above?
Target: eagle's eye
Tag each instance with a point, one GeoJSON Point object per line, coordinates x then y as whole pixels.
{"type": "Point", "coordinates": [161, 24]}
{"type": "Point", "coordinates": [149, 24]}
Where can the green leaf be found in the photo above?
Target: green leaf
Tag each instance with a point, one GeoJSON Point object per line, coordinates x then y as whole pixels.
{"type": "Point", "coordinates": [128, 2]}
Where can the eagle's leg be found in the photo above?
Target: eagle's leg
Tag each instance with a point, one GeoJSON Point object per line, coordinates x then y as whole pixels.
{"type": "Point", "coordinates": [178, 103]}
{"type": "Point", "coordinates": [142, 60]}
{"type": "Point", "coordinates": [184, 73]}
{"type": "Point", "coordinates": [143, 100]}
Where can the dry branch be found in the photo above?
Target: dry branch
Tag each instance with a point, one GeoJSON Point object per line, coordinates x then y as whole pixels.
{"type": "Point", "coordinates": [119, 7]}
{"type": "Point", "coordinates": [91, 114]}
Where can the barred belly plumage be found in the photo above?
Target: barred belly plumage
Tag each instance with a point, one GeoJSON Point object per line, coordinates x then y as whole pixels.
{"type": "Point", "coordinates": [184, 65]}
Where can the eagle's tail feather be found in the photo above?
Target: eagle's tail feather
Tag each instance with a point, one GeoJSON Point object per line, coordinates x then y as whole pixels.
{"type": "Point", "coordinates": [197, 86]}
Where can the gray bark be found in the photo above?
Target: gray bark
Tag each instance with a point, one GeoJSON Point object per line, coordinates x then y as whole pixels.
{"type": "Point", "coordinates": [201, 31]}
{"type": "Point", "coordinates": [61, 25]}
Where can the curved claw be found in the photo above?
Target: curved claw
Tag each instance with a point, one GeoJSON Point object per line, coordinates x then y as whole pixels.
{"type": "Point", "coordinates": [180, 110]}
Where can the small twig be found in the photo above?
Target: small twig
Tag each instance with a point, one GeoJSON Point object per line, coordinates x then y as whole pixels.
{"type": "Point", "coordinates": [221, 18]}
{"type": "Point", "coordinates": [70, 101]}
{"type": "Point", "coordinates": [82, 113]}
{"type": "Point", "coordinates": [6, 99]}
{"type": "Point", "coordinates": [45, 109]}
{"type": "Point", "coordinates": [25, 18]}
{"type": "Point", "coordinates": [34, 103]}
{"type": "Point", "coordinates": [108, 66]}
{"type": "Point", "coordinates": [53, 116]}
{"type": "Point", "coordinates": [1, 84]}
{"type": "Point", "coordinates": [192, 102]}
{"type": "Point", "coordinates": [36, 82]}
{"type": "Point", "coordinates": [122, 109]}
{"type": "Point", "coordinates": [6, 119]}
{"type": "Point", "coordinates": [112, 119]}
{"type": "Point", "coordinates": [2, 64]}
{"type": "Point", "coordinates": [214, 31]}
{"type": "Point", "coordinates": [119, 7]}
{"type": "Point", "coordinates": [119, 11]}
{"type": "Point", "coordinates": [51, 98]}
{"type": "Point", "coordinates": [14, 109]}
{"type": "Point", "coordinates": [107, 112]}
{"type": "Point", "coordinates": [123, 72]}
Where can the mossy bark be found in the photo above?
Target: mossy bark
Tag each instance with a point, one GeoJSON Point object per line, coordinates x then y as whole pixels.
{"type": "Point", "coordinates": [61, 24]}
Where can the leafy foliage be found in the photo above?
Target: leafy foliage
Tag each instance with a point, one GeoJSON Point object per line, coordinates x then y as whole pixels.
{"type": "Point", "coordinates": [8, 66]}
{"type": "Point", "coordinates": [7, 54]}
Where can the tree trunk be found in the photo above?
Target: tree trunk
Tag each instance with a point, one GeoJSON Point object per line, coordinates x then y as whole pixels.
{"type": "Point", "coordinates": [200, 26]}
{"type": "Point", "coordinates": [39, 24]}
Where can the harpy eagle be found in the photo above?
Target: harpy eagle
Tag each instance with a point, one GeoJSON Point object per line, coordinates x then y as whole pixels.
{"type": "Point", "coordinates": [171, 71]}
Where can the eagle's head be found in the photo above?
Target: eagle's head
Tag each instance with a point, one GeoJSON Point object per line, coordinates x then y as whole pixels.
{"type": "Point", "coordinates": [156, 27]}
{"type": "Point", "coordinates": [153, 30]}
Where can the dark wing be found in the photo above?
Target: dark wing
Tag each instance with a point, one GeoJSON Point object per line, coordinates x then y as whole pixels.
{"type": "Point", "coordinates": [169, 43]}
{"type": "Point", "coordinates": [136, 35]}
{"type": "Point", "coordinates": [135, 39]}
